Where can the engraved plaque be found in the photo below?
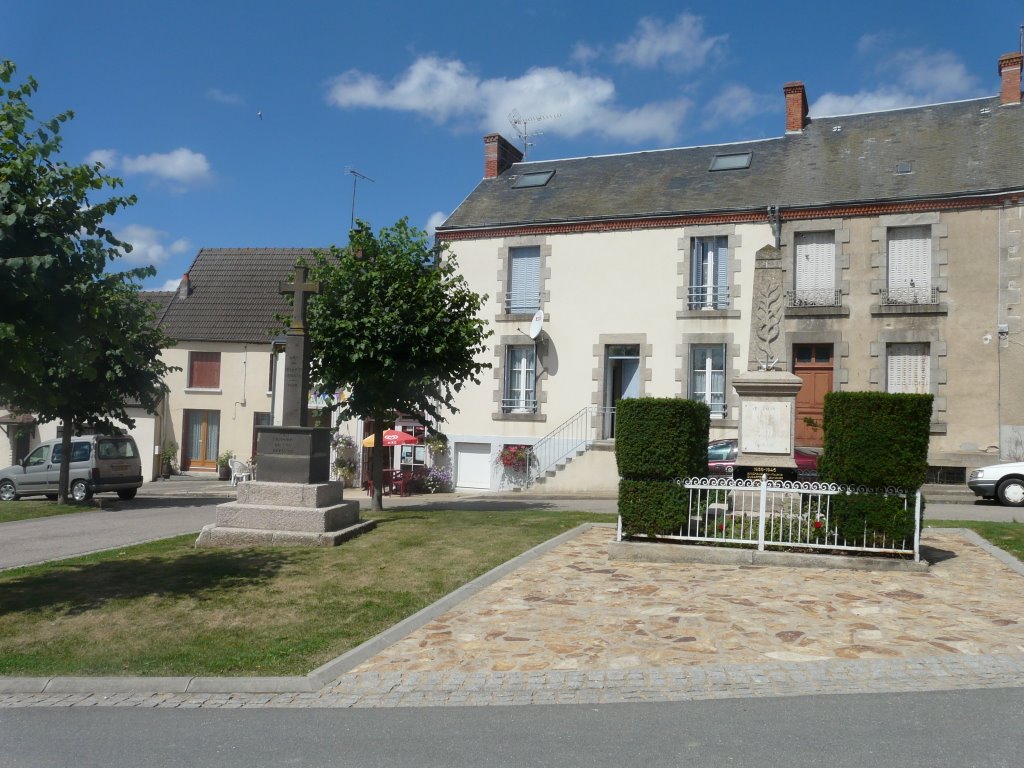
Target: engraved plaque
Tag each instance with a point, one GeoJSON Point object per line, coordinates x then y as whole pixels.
{"type": "Point", "coordinates": [767, 427]}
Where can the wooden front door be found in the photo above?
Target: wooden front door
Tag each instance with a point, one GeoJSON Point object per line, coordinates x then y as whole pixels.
{"type": "Point", "coordinates": [812, 363]}
{"type": "Point", "coordinates": [202, 438]}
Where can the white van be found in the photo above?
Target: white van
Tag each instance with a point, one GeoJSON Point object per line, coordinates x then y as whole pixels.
{"type": "Point", "coordinates": [98, 463]}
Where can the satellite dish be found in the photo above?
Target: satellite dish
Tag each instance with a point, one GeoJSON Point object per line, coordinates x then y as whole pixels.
{"type": "Point", "coordinates": [537, 324]}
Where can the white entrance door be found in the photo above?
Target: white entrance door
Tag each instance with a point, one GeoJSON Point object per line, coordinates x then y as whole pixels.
{"type": "Point", "coordinates": [473, 465]}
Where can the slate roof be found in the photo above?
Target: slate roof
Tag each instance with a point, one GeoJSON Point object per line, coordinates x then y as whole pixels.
{"type": "Point", "coordinates": [955, 149]}
{"type": "Point", "coordinates": [234, 295]}
{"type": "Point", "coordinates": [161, 300]}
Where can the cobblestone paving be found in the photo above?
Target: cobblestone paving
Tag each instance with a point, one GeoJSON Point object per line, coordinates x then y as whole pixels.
{"type": "Point", "coordinates": [573, 627]}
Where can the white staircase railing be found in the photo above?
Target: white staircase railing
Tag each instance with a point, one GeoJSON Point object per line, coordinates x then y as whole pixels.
{"type": "Point", "coordinates": [577, 433]}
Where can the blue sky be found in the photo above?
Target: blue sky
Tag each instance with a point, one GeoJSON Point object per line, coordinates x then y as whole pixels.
{"type": "Point", "coordinates": [235, 122]}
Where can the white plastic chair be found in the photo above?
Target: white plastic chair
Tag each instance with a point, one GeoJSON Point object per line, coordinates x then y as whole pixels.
{"type": "Point", "coordinates": [240, 471]}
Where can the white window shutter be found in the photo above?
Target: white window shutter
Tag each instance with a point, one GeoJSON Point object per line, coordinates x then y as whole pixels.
{"type": "Point", "coordinates": [910, 264]}
{"type": "Point", "coordinates": [721, 298]}
{"type": "Point", "coordinates": [524, 280]}
{"type": "Point", "coordinates": [815, 267]}
{"type": "Point", "coordinates": [908, 368]}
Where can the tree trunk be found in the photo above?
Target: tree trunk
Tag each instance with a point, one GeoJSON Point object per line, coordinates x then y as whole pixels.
{"type": "Point", "coordinates": [377, 462]}
{"type": "Point", "coordinates": [65, 460]}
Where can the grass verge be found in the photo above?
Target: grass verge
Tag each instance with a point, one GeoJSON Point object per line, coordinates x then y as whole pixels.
{"type": "Point", "coordinates": [1009, 537]}
{"type": "Point", "coordinates": [29, 510]}
{"type": "Point", "coordinates": [166, 608]}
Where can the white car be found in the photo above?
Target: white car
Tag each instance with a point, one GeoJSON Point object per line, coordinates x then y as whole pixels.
{"type": "Point", "coordinates": [999, 481]}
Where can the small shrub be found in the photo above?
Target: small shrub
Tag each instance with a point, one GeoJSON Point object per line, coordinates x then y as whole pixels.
{"type": "Point", "coordinates": [651, 507]}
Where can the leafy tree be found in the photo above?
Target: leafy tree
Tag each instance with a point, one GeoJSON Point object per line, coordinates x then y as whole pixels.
{"type": "Point", "coordinates": [395, 325]}
{"type": "Point", "coordinates": [77, 344]}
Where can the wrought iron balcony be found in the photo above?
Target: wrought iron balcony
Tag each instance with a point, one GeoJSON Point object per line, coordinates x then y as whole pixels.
{"type": "Point", "coordinates": [814, 298]}
{"type": "Point", "coordinates": [909, 294]}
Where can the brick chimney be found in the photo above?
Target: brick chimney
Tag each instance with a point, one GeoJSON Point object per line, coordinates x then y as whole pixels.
{"type": "Point", "coordinates": [1009, 71]}
{"type": "Point", "coordinates": [499, 155]}
{"type": "Point", "coordinates": [796, 107]}
{"type": "Point", "coordinates": [184, 287]}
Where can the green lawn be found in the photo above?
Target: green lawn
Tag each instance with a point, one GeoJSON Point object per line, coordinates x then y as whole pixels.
{"type": "Point", "coordinates": [29, 509]}
{"type": "Point", "coordinates": [1007, 536]}
{"type": "Point", "coordinates": [168, 609]}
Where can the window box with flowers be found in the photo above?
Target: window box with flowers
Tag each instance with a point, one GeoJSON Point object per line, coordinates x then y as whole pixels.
{"type": "Point", "coordinates": [516, 461]}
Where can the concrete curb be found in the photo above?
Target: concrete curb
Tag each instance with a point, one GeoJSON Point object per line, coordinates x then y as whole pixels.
{"type": "Point", "coordinates": [654, 552]}
{"type": "Point", "coordinates": [312, 682]}
{"type": "Point", "coordinates": [1001, 555]}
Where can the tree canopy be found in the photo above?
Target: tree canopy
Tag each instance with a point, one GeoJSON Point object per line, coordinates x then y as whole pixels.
{"type": "Point", "coordinates": [78, 344]}
{"type": "Point", "coordinates": [396, 326]}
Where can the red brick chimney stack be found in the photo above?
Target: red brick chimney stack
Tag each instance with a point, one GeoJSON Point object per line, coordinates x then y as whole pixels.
{"type": "Point", "coordinates": [796, 107]}
{"type": "Point", "coordinates": [1009, 71]}
{"type": "Point", "coordinates": [499, 155]}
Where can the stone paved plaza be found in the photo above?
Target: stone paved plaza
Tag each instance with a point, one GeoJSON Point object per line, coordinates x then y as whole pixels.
{"type": "Point", "coordinates": [570, 625]}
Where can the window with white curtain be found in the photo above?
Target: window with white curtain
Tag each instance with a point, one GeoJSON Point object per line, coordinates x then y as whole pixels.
{"type": "Point", "coordinates": [520, 380]}
{"type": "Point", "coordinates": [814, 269]}
{"type": "Point", "coordinates": [523, 294]}
{"type": "Point", "coordinates": [709, 273]}
{"type": "Point", "coordinates": [707, 376]}
{"type": "Point", "coordinates": [907, 368]}
{"type": "Point", "coordinates": [909, 251]}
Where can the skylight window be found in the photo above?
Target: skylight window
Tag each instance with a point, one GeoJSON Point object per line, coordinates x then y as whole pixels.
{"type": "Point", "coordinates": [905, 166]}
{"type": "Point", "coordinates": [734, 162]}
{"type": "Point", "coordinates": [538, 179]}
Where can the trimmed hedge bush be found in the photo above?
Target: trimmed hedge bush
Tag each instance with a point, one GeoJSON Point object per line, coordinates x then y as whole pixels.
{"type": "Point", "coordinates": [661, 438]}
{"type": "Point", "coordinates": [876, 439]}
{"type": "Point", "coordinates": [883, 517]}
{"type": "Point", "coordinates": [651, 507]}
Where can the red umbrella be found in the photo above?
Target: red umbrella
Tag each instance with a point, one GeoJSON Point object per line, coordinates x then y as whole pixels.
{"type": "Point", "coordinates": [392, 437]}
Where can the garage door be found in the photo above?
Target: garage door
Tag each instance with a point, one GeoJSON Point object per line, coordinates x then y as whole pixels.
{"type": "Point", "coordinates": [473, 465]}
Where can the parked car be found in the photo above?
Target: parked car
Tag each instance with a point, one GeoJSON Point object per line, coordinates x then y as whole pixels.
{"type": "Point", "coordinates": [722, 459]}
{"type": "Point", "coordinates": [98, 463]}
{"type": "Point", "coordinates": [999, 481]}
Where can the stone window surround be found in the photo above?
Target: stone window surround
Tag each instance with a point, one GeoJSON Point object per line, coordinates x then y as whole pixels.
{"type": "Point", "coordinates": [685, 246]}
{"type": "Point", "coordinates": [606, 340]}
{"type": "Point", "coordinates": [937, 374]}
{"type": "Point", "coordinates": [505, 265]}
{"type": "Point", "coordinates": [500, 359]}
{"type": "Point", "coordinates": [732, 355]}
{"type": "Point", "coordinates": [880, 247]}
{"type": "Point", "coordinates": [841, 237]}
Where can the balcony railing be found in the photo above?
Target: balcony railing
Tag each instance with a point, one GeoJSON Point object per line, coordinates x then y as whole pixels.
{"type": "Point", "coordinates": [814, 298]}
{"type": "Point", "coordinates": [708, 297]}
{"type": "Point", "coordinates": [519, 404]}
{"type": "Point", "coordinates": [909, 294]}
{"type": "Point", "coordinates": [521, 303]}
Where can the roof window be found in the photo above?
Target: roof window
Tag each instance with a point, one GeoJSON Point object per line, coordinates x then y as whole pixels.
{"type": "Point", "coordinates": [538, 179]}
{"type": "Point", "coordinates": [904, 167]}
{"type": "Point", "coordinates": [733, 162]}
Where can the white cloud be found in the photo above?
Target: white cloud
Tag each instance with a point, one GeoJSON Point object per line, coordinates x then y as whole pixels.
{"type": "Point", "coordinates": [223, 97]}
{"type": "Point", "coordinates": [106, 156]}
{"type": "Point", "coordinates": [180, 165]}
{"type": "Point", "coordinates": [679, 45]}
{"type": "Point", "coordinates": [584, 54]}
{"type": "Point", "coordinates": [148, 246]}
{"type": "Point", "coordinates": [170, 285]}
{"type": "Point", "coordinates": [916, 77]}
{"type": "Point", "coordinates": [571, 104]}
{"type": "Point", "coordinates": [734, 104]}
{"type": "Point", "coordinates": [436, 220]}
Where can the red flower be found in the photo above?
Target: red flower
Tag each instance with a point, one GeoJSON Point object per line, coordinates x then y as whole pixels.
{"type": "Point", "coordinates": [818, 523]}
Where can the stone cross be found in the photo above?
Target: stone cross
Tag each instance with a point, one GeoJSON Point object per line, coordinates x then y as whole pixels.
{"type": "Point", "coordinates": [296, 369]}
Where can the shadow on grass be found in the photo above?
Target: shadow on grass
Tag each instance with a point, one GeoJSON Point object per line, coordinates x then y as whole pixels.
{"type": "Point", "coordinates": [80, 588]}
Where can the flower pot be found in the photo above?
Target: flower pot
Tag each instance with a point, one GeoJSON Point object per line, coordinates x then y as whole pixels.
{"type": "Point", "coordinates": [223, 473]}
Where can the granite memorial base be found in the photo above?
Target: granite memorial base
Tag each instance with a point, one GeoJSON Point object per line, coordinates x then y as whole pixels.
{"type": "Point", "coordinates": [285, 514]}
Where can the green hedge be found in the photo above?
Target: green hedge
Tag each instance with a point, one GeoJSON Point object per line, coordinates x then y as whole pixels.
{"type": "Point", "coordinates": [651, 507]}
{"type": "Point", "coordinates": [661, 438]}
{"type": "Point", "coordinates": [883, 517]}
{"type": "Point", "coordinates": [876, 439]}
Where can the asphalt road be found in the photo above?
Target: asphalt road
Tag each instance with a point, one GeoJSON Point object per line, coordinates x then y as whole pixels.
{"type": "Point", "coordinates": [954, 729]}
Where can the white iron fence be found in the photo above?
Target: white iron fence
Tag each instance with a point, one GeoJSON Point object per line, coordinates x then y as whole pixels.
{"type": "Point", "coordinates": [783, 515]}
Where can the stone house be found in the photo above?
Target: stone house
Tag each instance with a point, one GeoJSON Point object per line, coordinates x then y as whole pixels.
{"type": "Point", "coordinates": [899, 232]}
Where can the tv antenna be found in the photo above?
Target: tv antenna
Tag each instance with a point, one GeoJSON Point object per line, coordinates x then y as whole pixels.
{"type": "Point", "coordinates": [521, 125]}
{"type": "Point", "coordinates": [356, 176]}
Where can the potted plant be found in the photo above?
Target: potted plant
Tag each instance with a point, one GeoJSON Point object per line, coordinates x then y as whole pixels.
{"type": "Point", "coordinates": [168, 459]}
{"type": "Point", "coordinates": [223, 465]}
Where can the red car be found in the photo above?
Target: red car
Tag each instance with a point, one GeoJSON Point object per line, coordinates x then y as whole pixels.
{"type": "Point", "coordinates": [722, 459]}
